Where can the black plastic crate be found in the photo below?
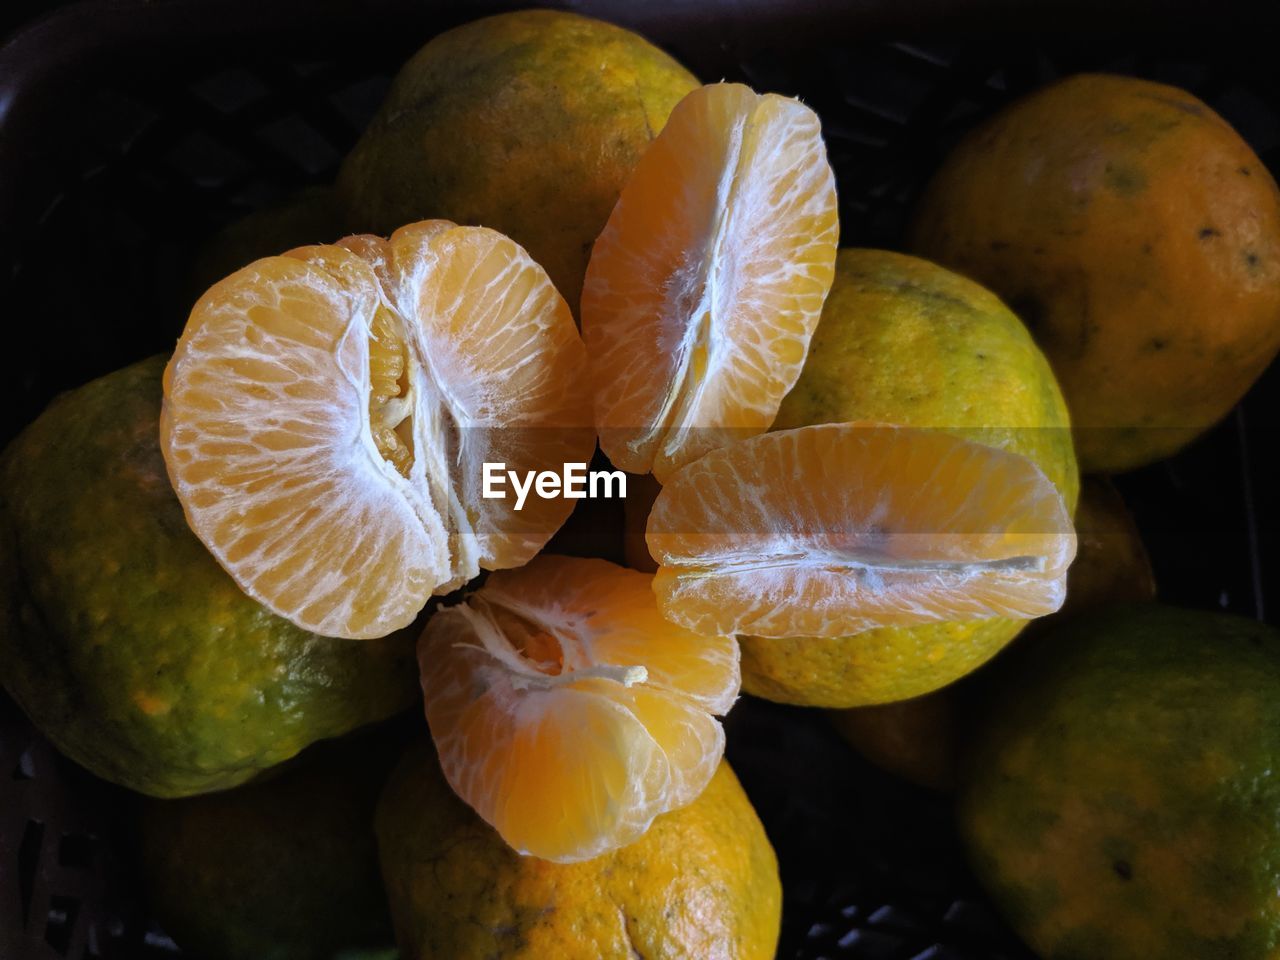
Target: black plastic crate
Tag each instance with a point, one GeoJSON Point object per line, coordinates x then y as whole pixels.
{"type": "Point", "coordinates": [130, 131]}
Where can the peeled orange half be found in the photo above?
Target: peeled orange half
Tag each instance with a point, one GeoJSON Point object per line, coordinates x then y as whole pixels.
{"type": "Point", "coordinates": [704, 288]}
{"type": "Point", "coordinates": [829, 530]}
{"type": "Point", "coordinates": [327, 414]}
{"type": "Point", "coordinates": [567, 711]}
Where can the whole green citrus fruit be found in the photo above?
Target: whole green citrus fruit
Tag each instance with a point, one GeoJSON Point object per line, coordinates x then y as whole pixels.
{"type": "Point", "coordinates": [919, 739]}
{"type": "Point", "coordinates": [312, 215]}
{"type": "Point", "coordinates": [284, 869]}
{"type": "Point", "coordinates": [527, 122]}
{"type": "Point", "coordinates": [122, 638]}
{"type": "Point", "coordinates": [1121, 800]}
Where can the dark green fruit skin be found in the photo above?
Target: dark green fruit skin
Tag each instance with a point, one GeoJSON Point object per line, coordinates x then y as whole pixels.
{"type": "Point", "coordinates": [1121, 799]}
{"type": "Point", "coordinates": [309, 216]}
{"type": "Point", "coordinates": [122, 638]}
{"type": "Point", "coordinates": [285, 869]}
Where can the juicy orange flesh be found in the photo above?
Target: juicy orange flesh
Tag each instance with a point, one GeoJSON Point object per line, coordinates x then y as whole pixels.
{"type": "Point", "coordinates": [389, 381]}
{"type": "Point", "coordinates": [831, 530]}
{"type": "Point", "coordinates": [568, 747]}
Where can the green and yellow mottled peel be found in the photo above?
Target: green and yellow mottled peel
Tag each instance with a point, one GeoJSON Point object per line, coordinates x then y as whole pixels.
{"type": "Point", "coordinates": [1121, 797]}
{"type": "Point", "coordinates": [904, 341]}
{"type": "Point", "coordinates": [1138, 235]}
{"type": "Point", "coordinates": [122, 638]}
{"type": "Point", "coordinates": [701, 883]}
{"type": "Point", "coordinates": [527, 122]}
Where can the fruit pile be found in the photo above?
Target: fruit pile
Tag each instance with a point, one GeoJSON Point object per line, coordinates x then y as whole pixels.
{"type": "Point", "coordinates": [238, 578]}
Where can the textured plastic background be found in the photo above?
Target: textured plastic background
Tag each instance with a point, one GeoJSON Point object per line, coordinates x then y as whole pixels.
{"type": "Point", "coordinates": [127, 139]}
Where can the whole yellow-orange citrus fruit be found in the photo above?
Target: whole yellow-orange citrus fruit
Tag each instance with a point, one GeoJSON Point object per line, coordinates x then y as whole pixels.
{"type": "Point", "coordinates": [1138, 236]}
{"type": "Point", "coordinates": [701, 883]}
{"type": "Point", "coordinates": [905, 341]}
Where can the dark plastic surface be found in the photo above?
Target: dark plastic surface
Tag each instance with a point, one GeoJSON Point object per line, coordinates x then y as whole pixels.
{"type": "Point", "coordinates": [131, 131]}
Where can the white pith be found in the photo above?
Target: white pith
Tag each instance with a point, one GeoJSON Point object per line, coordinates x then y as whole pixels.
{"type": "Point", "coordinates": [700, 274]}
{"type": "Point", "coordinates": [794, 552]}
{"type": "Point", "coordinates": [841, 549]}
{"type": "Point", "coordinates": [437, 420]}
{"type": "Point", "coordinates": [565, 628]}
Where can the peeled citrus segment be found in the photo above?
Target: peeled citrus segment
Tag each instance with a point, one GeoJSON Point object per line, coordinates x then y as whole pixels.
{"type": "Point", "coordinates": [829, 530]}
{"type": "Point", "coordinates": [707, 282]}
{"type": "Point", "coordinates": [507, 371]}
{"type": "Point", "coordinates": [504, 344]}
{"type": "Point", "coordinates": [327, 414]}
{"type": "Point", "coordinates": [266, 437]}
{"type": "Point", "coordinates": [567, 711]}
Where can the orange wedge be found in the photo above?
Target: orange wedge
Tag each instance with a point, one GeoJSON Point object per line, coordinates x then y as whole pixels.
{"type": "Point", "coordinates": [707, 282]}
{"type": "Point", "coordinates": [567, 711]}
{"type": "Point", "coordinates": [327, 412]}
{"type": "Point", "coordinates": [829, 530]}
